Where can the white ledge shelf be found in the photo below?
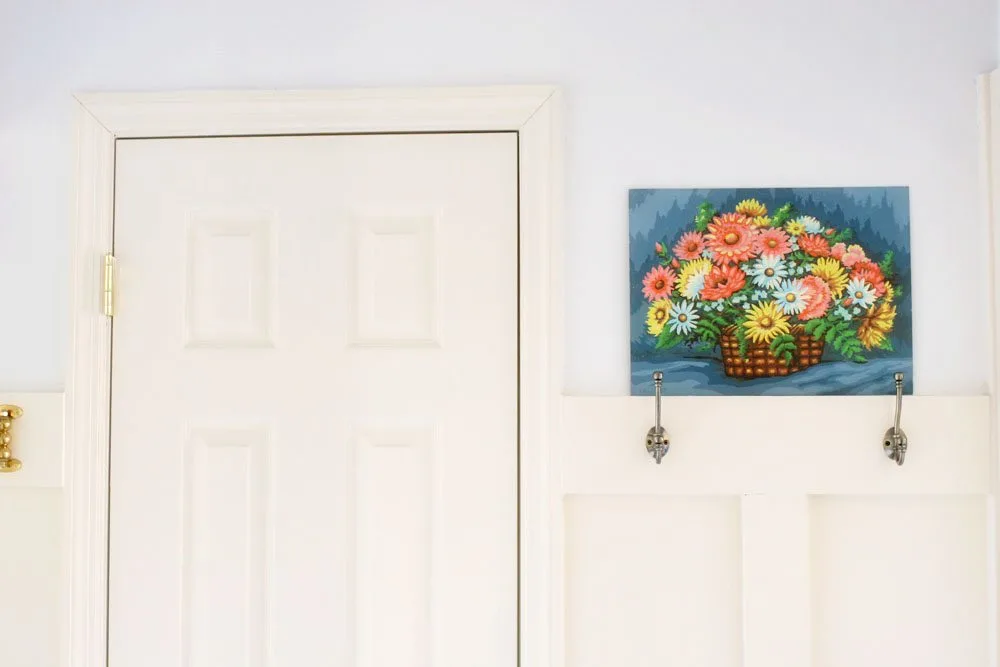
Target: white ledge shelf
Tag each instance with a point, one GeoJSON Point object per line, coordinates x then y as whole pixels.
{"type": "Point", "coordinates": [775, 445]}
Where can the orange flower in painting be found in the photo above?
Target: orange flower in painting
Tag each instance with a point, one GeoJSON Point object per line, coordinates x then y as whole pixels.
{"type": "Point", "coordinates": [773, 242]}
{"type": "Point", "coordinates": [814, 245]}
{"type": "Point", "coordinates": [817, 296]}
{"type": "Point", "coordinates": [870, 272]}
{"type": "Point", "coordinates": [690, 246]}
{"type": "Point", "coordinates": [659, 283]}
{"type": "Point", "coordinates": [876, 325]}
{"type": "Point", "coordinates": [722, 282]}
{"type": "Point", "coordinates": [731, 238]}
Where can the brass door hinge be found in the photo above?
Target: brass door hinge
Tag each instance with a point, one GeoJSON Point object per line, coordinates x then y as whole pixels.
{"type": "Point", "coordinates": [108, 285]}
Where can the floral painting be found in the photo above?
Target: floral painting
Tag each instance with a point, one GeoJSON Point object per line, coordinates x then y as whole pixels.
{"type": "Point", "coordinates": [770, 291]}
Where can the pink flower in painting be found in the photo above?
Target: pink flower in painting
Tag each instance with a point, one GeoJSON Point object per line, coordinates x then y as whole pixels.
{"type": "Point", "coordinates": [659, 283]}
{"type": "Point", "coordinates": [772, 242]}
{"type": "Point", "coordinates": [659, 248]}
{"type": "Point", "coordinates": [818, 298]}
{"type": "Point", "coordinates": [853, 255]}
{"type": "Point", "coordinates": [731, 238]}
{"type": "Point", "coordinates": [838, 250]}
{"type": "Point", "coordinates": [690, 246]}
{"type": "Point", "coordinates": [722, 282]}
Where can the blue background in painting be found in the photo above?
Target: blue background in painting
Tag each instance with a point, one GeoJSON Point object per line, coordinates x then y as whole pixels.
{"type": "Point", "coordinates": [880, 218]}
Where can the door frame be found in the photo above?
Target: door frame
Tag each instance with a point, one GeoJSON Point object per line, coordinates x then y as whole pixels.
{"type": "Point", "coordinates": [534, 112]}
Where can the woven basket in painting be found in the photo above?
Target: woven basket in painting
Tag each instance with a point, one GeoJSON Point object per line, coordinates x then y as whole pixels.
{"type": "Point", "coordinates": [760, 363]}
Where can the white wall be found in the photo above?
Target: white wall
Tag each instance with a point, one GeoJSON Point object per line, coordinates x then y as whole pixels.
{"type": "Point", "coordinates": [659, 93]}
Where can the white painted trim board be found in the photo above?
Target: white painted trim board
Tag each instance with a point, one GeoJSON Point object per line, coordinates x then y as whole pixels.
{"type": "Point", "coordinates": [101, 119]}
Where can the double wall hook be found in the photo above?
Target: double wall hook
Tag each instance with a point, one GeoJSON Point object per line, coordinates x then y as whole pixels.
{"type": "Point", "coordinates": [894, 442]}
{"type": "Point", "coordinates": [657, 442]}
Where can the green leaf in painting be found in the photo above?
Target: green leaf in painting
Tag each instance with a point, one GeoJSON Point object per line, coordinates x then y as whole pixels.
{"type": "Point", "coordinates": [741, 339]}
{"type": "Point", "coordinates": [705, 214]}
{"type": "Point", "coordinates": [815, 328]}
{"type": "Point", "coordinates": [782, 215]}
{"type": "Point", "coordinates": [835, 331]}
{"type": "Point", "coordinates": [705, 326]}
{"type": "Point", "coordinates": [843, 236]}
{"type": "Point", "coordinates": [667, 339]}
{"type": "Point", "coordinates": [784, 347]}
{"type": "Point", "coordinates": [886, 265]}
{"type": "Point", "coordinates": [844, 339]}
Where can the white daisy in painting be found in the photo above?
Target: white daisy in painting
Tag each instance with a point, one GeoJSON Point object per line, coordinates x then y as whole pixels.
{"type": "Point", "coordinates": [790, 297]}
{"type": "Point", "coordinates": [768, 272]}
{"type": "Point", "coordinates": [682, 318]}
{"type": "Point", "coordinates": [811, 224]}
{"type": "Point", "coordinates": [692, 278]}
{"type": "Point", "coordinates": [860, 293]}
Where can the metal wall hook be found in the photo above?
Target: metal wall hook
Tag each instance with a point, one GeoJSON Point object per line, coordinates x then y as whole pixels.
{"type": "Point", "coordinates": [657, 442]}
{"type": "Point", "coordinates": [894, 442]}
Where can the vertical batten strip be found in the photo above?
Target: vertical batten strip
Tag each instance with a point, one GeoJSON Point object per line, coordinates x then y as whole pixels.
{"type": "Point", "coordinates": [989, 109]}
{"type": "Point", "coordinates": [777, 620]}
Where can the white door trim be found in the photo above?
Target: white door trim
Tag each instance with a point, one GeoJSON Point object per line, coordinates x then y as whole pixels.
{"type": "Point", "coordinates": [534, 112]}
{"type": "Point", "coordinates": [988, 90]}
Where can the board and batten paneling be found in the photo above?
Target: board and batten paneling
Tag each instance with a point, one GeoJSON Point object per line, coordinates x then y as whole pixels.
{"type": "Point", "coordinates": [775, 533]}
{"type": "Point", "coordinates": [31, 533]}
{"type": "Point", "coordinates": [37, 440]}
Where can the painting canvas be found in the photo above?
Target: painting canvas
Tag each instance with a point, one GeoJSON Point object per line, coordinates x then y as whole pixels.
{"type": "Point", "coordinates": [770, 291]}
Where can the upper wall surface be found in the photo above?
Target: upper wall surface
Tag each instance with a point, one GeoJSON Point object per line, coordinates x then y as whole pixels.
{"type": "Point", "coordinates": [677, 93]}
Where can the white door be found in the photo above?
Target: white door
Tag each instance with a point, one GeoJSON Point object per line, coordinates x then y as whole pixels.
{"type": "Point", "coordinates": [314, 402]}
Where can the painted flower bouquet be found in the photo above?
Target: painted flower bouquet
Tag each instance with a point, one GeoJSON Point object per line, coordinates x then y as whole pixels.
{"type": "Point", "coordinates": [771, 292]}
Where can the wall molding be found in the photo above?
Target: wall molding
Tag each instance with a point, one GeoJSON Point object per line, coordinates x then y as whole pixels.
{"type": "Point", "coordinates": [535, 112]}
{"type": "Point", "coordinates": [988, 89]}
{"type": "Point", "coordinates": [949, 446]}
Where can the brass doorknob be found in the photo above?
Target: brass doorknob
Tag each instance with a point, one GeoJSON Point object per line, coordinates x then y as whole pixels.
{"type": "Point", "coordinates": [8, 413]}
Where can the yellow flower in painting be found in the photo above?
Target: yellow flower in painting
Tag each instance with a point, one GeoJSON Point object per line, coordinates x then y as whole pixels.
{"type": "Point", "coordinates": [876, 324]}
{"type": "Point", "coordinates": [657, 316]}
{"type": "Point", "coordinates": [751, 208]}
{"type": "Point", "coordinates": [765, 323]}
{"type": "Point", "coordinates": [832, 273]}
{"type": "Point", "coordinates": [890, 292]}
{"type": "Point", "coordinates": [795, 228]}
{"type": "Point", "coordinates": [692, 278]}
{"type": "Point", "coordinates": [761, 221]}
